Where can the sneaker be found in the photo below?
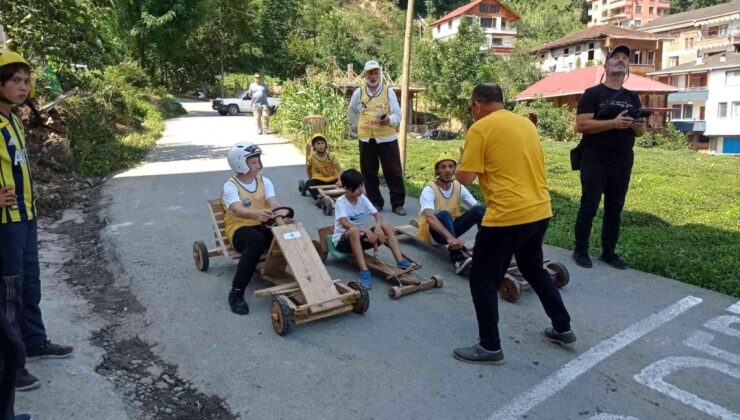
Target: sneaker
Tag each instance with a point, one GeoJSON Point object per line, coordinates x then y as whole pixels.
{"type": "Point", "coordinates": [405, 264]}
{"type": "Point", "coordinates": [478, 354]}
{"type": "Point", "coordinates": [318, 202]}
{"type": "Point", "coordinates": [400, 211]}
{"type": "Point", "coordinates": [613, 260]}
{"type": "Point", "coordinates": [25, 381]}
{"type": "Point", "coordinates": [580, 256]}
{"type": "Point", "coordinates": [366, 279]}
{"type": "Point", "coordinates": [462, 265]}
{"type": "Point", "coordinates": [48, 350]}
{"type": "Point", "coordinates": [562, 338]}
{"type": "Point", "coordinates": [237, 303]}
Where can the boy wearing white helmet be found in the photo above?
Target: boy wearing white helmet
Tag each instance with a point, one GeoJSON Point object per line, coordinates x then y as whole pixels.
{"type": "Point", "coordinates": [248, 198]}
{"type": "Point", "coordinates": [20, 283]}
{"type": "Point", "coordinates": [440, 217]}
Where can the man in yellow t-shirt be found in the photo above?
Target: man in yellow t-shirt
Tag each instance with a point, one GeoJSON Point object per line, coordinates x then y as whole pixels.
{"type": "Point", "coordinates": [503, 151]}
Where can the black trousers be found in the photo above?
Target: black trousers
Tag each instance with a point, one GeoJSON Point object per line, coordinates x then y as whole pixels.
{"type": "Point", "coordinates": [313, 182]}
{"type": "Point", "coordinates": [251, 242]}
{"type": "Point", "coordinates": [494, 247]}
{"type": "Point", "coordinates": [12, 356]}
{"type": "Point", "coordinates": [390, 159]}
{"type": "Point", "coordinates": [612, 182]}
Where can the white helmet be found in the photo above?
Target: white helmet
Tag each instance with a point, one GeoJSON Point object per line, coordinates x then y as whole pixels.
{"type": "Point", "coordinates": [239, 154]}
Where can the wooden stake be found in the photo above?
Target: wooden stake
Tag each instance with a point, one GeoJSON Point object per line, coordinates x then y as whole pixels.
{"type": "Point", "coordinates": [405, 82]}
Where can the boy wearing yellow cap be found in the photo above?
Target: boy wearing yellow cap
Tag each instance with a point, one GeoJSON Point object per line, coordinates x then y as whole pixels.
{"type": "Point", "coordinates": [442, 218]}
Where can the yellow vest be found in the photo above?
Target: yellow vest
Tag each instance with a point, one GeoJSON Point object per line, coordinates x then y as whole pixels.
{"type": "Point", "coordinates": [368, 124]}
{"type": "Point", "coordinates": [14, 170]}
{"type": "Point", "coordinates": [323, 169]}
{"type": "Point", "coordinates": [254, 200]}
{"type": "Point", "coordinates": [441, 203]}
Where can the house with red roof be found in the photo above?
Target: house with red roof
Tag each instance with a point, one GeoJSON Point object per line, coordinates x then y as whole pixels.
{"type": "Point", "coordinates": [494, 17]}
{"type": "Point", "coordinates": [566, 88]}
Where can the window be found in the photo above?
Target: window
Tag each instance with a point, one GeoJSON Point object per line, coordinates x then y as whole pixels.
{"type": "Point", "coordinates": [732, 78]}
{"type": "Point", "coordinates": [591, 55]}
{"type": "Point", "coordinates": [716, 31]}
{"type": "Point", "coordinates": [489, 8]}
{"type": "Point", "coordinates": [449, 25]}
{"type": "Point", "coordinates": [497, 42]}
{"type": "Point", "coordinates": [672, 61]}
{"type": "Point", "coordinates": [638, 9]}
{"type": "Point", "coordinates": [566, 51]}
{"type": "Point", "coordinates": [676, 112]}
{"type": "Point", "coordinates": [678, 81]}
{"type": "Point", "coordinates": [503, 24]}
{"type": "Point", "coordinates": [590, 45]}
{"type": "Point", "coordinates": [722, 110]}
{"type": "Point", "coordinates": [651, 10]}
{"type": "Point", "coordinates": [688, 42]}
{"type": "Point", "coordinates": [650, 57]}
{"type": "Point", "coordinates": [736, 110]}
{"type": "Point", "coordinates": [638, 22]}
{"type": "Point", "coordinates": [578, 48]}
{"type": "Point", "coordinates": [688, 111]}
{"type": "Point", "coordinates": [487, 22]}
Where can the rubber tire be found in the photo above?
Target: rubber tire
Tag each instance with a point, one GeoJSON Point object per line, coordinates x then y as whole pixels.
{"type": "Point", "coordinates": [510, 290]}
{"type": "Point", "coordinates": [223, 112]}
{"type": "Point", "coordinates": [233, 110]}
{"type": "Point", "coordinates": [561, 275]}
{"type": "Point", "coordinates": [281, 309]}
{"type": "Point", "coordinates": [302, 187]}
{"type": "Point", "coordinates": [394, 292]}
{"type": "Point", "coordinates": [328, 206]}
{"type": "Point", "coordinates": [200, 255]}
{"type": "Point", "coordinates": [363, 304]}
{"type": "Point", "coordinates": [438, 281]}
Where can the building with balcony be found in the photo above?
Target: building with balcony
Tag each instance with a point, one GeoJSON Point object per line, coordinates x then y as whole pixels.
{"type": "Point", "coordinates": [626, 13]}
{"type": "Point", "coordinates": [494, 17]}
{"type": "Point", "coordinates": [698, 33]}
{"type": "Point", "coordinates": [590, 46]}
{"type": "Point", "coordinates": [707, 105]}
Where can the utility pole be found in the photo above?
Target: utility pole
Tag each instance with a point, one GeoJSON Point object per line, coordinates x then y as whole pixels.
{"type": "Point", "coordinates": [221, 44]}
{"type": "Point", "coordinates": [405, 79]}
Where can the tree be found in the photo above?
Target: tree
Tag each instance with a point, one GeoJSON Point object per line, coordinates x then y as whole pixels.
{"type": "Point", "coordinates": [450, 69]}
{"type": "Point", "coordinates": [678, 6]}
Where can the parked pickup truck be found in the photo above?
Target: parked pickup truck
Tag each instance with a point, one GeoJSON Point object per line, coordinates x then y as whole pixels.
{"type": "Point", "coordinates": [242, 103]}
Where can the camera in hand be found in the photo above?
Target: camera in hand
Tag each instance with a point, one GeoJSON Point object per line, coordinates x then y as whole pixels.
{"type": "Point", "coordinates": [639, 113]}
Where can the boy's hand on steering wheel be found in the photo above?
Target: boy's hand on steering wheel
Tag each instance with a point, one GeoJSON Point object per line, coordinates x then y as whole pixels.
{"type": "Point", "coordinates": [371, 237]}
{"type": "Point", "coordinates": [264, 215]}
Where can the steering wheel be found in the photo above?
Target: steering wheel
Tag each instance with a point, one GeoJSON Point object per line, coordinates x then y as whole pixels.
{"type": "Point", "coordinates": [278, 216]}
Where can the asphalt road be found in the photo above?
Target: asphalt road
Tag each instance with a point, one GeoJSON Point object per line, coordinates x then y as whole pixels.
{"type": "Point", "coordinates": [648, 347]}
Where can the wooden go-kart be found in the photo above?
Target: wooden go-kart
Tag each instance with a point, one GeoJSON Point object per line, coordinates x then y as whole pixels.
{"type": "Point", "coordinates": [406, 281]}
{"type": "Point", "coordinates": [304, 294]}
{"type": "Point", "coordinates": [328, 195]}
{"type": "Point", "coordinates": [513, 282]}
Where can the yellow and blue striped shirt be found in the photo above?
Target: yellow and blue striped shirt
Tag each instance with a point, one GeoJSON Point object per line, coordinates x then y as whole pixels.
{"type": "Point", "coordinates": [14, 170]}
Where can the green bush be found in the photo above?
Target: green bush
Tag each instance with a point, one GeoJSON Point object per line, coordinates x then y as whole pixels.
{"type": "Point", "coordinates": [47, 84]}
{"type": "Point", "coordinates": [670, 139]}
{"type": "Point", "coordinates": [126, 75]}
{"type": "Point", "coordinates": [312, 96]}
{"type": "Point", "coordinates": [553, 123]}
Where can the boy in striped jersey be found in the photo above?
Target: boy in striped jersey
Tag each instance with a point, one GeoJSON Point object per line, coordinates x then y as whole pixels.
{"type": "Point", "coordinates": [20, 285]}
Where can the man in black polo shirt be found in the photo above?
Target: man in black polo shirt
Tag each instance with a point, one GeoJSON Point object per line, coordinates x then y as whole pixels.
{"type": "Point", "coordinates": [609, 132]}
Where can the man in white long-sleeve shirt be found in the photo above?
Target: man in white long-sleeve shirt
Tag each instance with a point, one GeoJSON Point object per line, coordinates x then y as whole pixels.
{"type": "Point", "coordinates": [375, 111]}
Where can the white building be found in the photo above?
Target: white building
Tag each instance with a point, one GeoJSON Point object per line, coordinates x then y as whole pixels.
{"type": "Point", "coordinates": [494, 17]}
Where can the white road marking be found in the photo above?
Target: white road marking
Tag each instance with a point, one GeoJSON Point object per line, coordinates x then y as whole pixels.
{"type": "Point", "coordinates": [652, 377]}
{"type": "Point", "coordinates": [605, 416]}
{"type": "Point", "coordinates": [722, 324]}
{"type": "Point", "coordinates": [735, 308]}
{"type": "Point", "coordinates": [700, 340]}
{"type": "Point", "coordinates": [580, 365]}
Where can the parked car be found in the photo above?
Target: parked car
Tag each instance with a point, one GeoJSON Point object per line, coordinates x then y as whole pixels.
{"type": "Point", "coordinates": [438, 135]}
{"type": "Point", "coordinates": [242, 103]}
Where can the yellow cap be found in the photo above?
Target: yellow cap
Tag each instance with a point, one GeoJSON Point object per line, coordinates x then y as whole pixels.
{"type": "Point", "coordinates": [443, 157]}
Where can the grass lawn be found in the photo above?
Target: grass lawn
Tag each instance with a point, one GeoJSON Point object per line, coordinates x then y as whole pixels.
{"type": "Point", "coordinates": [681, 218]}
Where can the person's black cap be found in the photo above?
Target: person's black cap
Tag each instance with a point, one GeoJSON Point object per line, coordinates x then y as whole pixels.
{"type": "Point", "coordinates": [619, 48]}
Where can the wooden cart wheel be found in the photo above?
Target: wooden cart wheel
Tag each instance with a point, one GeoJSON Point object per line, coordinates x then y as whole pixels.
{"type": "Point", "coordinates": [438, 281]}
{"type": "Point", "coordinates": [561, 276]}
{"type": "Point", "coordinates": [200, 255]}
{"type": "Point", "coordinates": [363, 303]}
{"type": "Point", "coordinates": [394, 292]}
{"type": "Point", "coordinates": [282, 315]}
{"type": "Point", "coordinates": [328, 206]}
{"type": "Point", "coordinates": [302, 187]}
{"type": "Point", "coordinates": [510, 289]}
{"type": "Point", "coordinates": [323, 253]}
